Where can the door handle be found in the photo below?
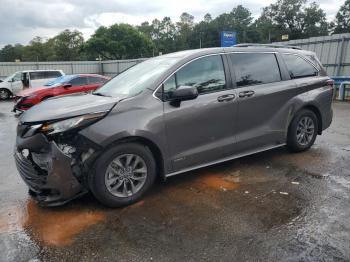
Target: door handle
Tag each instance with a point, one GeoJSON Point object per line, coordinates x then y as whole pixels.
{"type": "Point", "coordinates": [246, 93]}
{"type": "Point", "coordinates": [228, 97]}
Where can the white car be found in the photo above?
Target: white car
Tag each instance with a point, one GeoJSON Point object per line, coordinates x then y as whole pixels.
{"type": "Point", "coordinates": [16, 82]}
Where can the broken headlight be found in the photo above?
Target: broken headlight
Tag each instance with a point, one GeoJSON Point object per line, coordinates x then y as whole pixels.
{"type": "Point", "coordinates": [71, 123]}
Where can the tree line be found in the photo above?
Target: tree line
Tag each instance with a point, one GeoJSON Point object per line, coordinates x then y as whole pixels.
{"type": "Point", "coordinates": [295, 18]}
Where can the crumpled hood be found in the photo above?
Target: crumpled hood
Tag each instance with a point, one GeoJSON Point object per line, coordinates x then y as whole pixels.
{"type": "Point", "coordinates": [67, 106]}
{"type": "Point", "coordinates": [30, 91]}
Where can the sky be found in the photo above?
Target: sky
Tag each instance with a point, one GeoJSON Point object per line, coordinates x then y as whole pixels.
{"type": "Point", "coordinates": [22, 20]}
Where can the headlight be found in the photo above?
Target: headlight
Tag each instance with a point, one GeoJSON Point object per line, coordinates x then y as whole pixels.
{"type": "Point", "coordinates": [71, 123]}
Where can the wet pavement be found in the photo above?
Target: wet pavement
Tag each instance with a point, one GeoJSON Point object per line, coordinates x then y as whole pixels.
{"type": "Point", "coordinates": [272, 206]}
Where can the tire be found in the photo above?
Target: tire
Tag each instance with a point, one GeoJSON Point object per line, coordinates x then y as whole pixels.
{"type": "Point", "coordinates": [108, 168]}
{"type": "Point", "coordinates": [302, 131]}
{"type": "Point", "coordinates": [4, 94]}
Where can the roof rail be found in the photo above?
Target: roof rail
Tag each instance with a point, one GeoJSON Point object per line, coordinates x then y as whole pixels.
{"type": "Point", "coordinates": [268, 45]}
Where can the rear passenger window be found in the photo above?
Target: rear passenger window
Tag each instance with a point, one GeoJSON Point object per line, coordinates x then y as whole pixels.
{"type": "Point", "coordinates": [78, 81]}
{"type": "Point", "coordinates": [255, 68]}
{"type": "Point", "coordinates": [37, 75]}
{"type": "Point", "coordinates": [53, 74]}
{"type": "Point", "coordinates": [298, 67]}
{"type": "Point", "coordinates": [206, 74]}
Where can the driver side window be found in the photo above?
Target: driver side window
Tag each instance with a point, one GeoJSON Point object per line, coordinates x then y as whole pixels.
{"type": "Point", "coordinates": [17, 77]}
{"type": "Point", "coordinates": [206, 74]}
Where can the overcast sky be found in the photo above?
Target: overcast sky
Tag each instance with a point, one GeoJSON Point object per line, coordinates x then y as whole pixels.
{"type": "Point", "coordinates": [21, 20]}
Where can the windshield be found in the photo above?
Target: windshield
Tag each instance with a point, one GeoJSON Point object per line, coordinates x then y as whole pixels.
{"type": "Point", "coordinates": [59, 81]}
{"type": "Point", "coordinates": [9, 78]}
{"type": "Point", "coordinates": [137, 78]}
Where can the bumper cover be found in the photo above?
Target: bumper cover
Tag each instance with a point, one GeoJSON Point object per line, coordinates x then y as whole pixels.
{"type": "Point", "coordinates": [48, 173]}
{"type": "Point", "coordinates": [20, 106]}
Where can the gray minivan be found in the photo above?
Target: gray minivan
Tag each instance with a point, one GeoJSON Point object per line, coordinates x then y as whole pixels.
{"type": "Point", "coordinates": [171, 114]}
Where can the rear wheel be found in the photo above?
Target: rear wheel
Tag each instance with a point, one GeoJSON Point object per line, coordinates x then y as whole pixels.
{"type": "Point", "coordinates": [4, 94]}
{"type": "Point", "coordinates": [123, 174]}
{"type": "Point", "coordinates": [302, 131]}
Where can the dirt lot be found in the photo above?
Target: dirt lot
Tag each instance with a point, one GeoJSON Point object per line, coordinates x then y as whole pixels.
{"type": "Point", "coordinates": [272, 206]}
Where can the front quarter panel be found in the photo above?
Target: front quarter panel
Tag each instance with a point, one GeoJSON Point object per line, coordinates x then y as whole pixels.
{"type": "Point", "coordinates": [140, 116]}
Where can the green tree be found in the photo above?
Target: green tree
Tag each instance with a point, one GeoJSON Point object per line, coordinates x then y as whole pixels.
{"type": "Point", "coordinates": [342, 19]}
{"type": "Point", "coordinates": [9, 53]}
{"type": "Point", "coordinates": [184, 31]}
{"type": "Point", "coordinates": [207, 18]}
{"type": "Point", "coordinates": [38, 50]}
{"type": "Point", "coordinates": [296, 18]}
{"type": "Point", "coordinates": [205, 34]}
{"type": "Point", "coordinates": [315, 21]}
{"type": "Point", "coordinates": [119, 41]}
{"type": "Point", "coordinates": [146, 28]}
{"type": "Point", "coordinates": [67, 45]}
{"type": "Point", "coordinates": [239, 20]}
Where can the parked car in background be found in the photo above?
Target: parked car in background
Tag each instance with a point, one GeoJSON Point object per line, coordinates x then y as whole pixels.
{"type": "Point", "coordinates": [169, 115]}
{"type": "Point", "coordinates": [63, 85]}
{"type": "Point", "coordinates": [18, 81]}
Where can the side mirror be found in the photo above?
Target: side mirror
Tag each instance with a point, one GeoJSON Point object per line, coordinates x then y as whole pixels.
{"type": "Point", "coordinates": [67, 85]}
{"type": "Point", "coordinates": [183, 93]}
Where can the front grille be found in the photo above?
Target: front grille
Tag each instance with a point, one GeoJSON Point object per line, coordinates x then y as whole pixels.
{"type": "Point", "coordinates": [29, 173]}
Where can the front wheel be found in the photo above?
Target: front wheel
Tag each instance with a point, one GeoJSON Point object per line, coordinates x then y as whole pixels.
{"type": "Point", "coordinates": [302, 131]}
{"type": "Point", "coordinates": [4, 94]}
{"type": "Point", "coordinates": [123, 174]}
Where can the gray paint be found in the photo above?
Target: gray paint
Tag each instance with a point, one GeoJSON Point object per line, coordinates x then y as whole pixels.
{"type": "Point", "coordinates": [202, 131]}
{"type": "Point", "coordinates": [205, 130]}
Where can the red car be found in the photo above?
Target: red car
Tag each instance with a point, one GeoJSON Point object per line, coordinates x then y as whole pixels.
{"type": "Point", "coordinates": [63, 85]}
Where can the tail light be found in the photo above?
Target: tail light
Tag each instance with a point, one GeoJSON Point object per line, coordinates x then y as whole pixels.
{"type": "Point", "coordinates": [330, 84]}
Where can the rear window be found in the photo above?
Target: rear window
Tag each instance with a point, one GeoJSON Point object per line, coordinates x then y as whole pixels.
{"type": "Point", "coordinates": [315, 61]}
{"type": "Point", "coordinates": [298, 67]}
{"type": "Point", "coordinates": [53, 74]}
{"type": "Point", "coordinates": [255, 68]}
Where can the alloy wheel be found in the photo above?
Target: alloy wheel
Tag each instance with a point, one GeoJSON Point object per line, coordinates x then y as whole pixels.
{"type": "Point", "coordinates": [4, 94]}
{"type": "Point", "coordinates": [305, 130]}
{"type": "Point", "coordinates": [126, 175]}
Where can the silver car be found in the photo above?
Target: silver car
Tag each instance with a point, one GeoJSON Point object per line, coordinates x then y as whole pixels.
{"type": "Point", "coordinates": [171, 114]}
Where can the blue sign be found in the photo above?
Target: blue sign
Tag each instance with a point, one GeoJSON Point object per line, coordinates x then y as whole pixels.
{"type": "Point", "coordinates": [228, 38]}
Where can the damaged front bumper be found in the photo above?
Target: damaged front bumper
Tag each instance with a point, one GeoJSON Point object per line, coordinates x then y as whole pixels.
{"type": "Point", "coordinates": [20, 105]}
{"type": "Point", "coordinates": [47, 170]}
